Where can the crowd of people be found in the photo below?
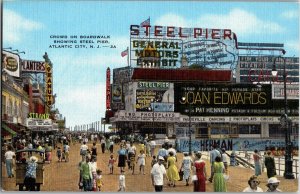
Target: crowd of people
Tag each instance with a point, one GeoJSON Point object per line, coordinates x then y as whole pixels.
{"type": "Point", "coordinates": [164, 163]}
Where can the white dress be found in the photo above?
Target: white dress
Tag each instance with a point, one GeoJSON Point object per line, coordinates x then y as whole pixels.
{"type": "Point", "coordinates": [141, 159]}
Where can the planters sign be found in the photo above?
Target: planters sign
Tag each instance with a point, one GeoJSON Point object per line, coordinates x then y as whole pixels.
{"type": "Point", "coordinates": [11, 63]}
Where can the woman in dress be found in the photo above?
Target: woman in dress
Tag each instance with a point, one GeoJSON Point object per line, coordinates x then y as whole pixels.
{"type": "Point", "coordinates": [186, 167]}
{"type": "Point", "coordinates": [257, 162]}
{"type": "Point", "coordinates": [270, 165]}
{"type": "Point", "coordinates": [218, 179]}
{"type": "Point", "coordinates": [200, 172]}
{"type": "Point", "coordinates": [121, 157]}
{"type": "Point", "coordinates": [172, 172]}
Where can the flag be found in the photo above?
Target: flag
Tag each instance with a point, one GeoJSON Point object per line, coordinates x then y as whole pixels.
{"type": "Point", "coordinates": [124, 53]}
{"type": "Point", "coordinates": [146, 22]}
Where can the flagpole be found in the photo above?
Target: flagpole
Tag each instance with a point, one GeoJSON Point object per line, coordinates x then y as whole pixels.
{"type": "Point", "coordinates": [128, 56]}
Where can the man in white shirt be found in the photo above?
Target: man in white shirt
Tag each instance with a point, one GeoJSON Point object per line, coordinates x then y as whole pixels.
{"type": "Point", "coordinates": [9, 155]}
{"type": "Point", "coordinates": [152, 147]}
{"type": "Point", "coordinates": [83, 150]}
{"type": "Point", "coordinates": [157, 174]}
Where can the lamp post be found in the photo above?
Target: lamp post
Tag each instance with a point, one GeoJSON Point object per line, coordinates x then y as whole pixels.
{"type": "Point", "coordinates": [190, 133]}
{"type": "Point", "coordinates": [152, 109]}
{"type": "Point", "coordinates": [286, 125]}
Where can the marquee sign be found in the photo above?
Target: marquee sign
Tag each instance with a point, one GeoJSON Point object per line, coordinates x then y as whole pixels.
{"type": "Point", "coordinates": [37, 123]}
{"type": "Point", "coordinates": [147, 116]}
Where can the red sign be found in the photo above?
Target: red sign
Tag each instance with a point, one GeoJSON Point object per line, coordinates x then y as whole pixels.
{"type": "Point", "coordinates": [108, 95]}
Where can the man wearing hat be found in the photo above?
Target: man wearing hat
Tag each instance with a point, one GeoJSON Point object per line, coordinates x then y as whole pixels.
{"type": "Point", "coordinates": [157, 174]}
{"type": "Point", "coordinates": [30, 175]}
{"type": "Point", "coordinates": [272, 185]}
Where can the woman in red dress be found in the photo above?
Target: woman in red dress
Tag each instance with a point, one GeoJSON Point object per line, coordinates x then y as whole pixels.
{"type": "Point", "coordinates": [200, 172]}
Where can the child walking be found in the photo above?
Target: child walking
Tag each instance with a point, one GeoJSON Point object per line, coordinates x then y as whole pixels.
{"type": "Point", "coordinates": [141, 161]}
{"type": "Point", "coordinates": [59, 154]}
{"type": "Point", "coordinates": [132, 162]}
{"type": "Point", "coordinates": [122, 181]}
{"type": "Point", "coordinates": [99, 181]}
{"type": "Point", "coordinates": [111, 163]}
{"type": "Point", "coordinates": [154, 161]}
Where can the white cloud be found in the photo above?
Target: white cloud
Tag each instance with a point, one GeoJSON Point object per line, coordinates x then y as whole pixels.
{"type": "Point", "coordinates": [292, 14]}
{"type": "Point", "coordinates": [15, 26]}
{"type": "Point", "coordinates": [172, 20]}
{"type": "Point", "coordinates": [240, 21]}
{"type": "Point", "coordinates": [82, 105]}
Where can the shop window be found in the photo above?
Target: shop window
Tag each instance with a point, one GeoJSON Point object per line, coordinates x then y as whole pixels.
{"type": "Point", "coordinates": [276, 131]}
{"type": "Point", "coordinates": [3, 104]}
{"type": "Point", "coordinates": [249, 129]}
{"type": "Point", "coordinates": [16, 109]}
{"type": "Point", "coordinates": [9, 107]}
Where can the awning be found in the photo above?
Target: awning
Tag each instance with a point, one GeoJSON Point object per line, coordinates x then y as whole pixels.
{"type": "Point", "coordinates": [9, 130]}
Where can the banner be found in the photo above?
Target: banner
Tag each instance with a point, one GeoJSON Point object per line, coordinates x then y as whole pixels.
{"type": "Point", "coordinates": [237, 144]}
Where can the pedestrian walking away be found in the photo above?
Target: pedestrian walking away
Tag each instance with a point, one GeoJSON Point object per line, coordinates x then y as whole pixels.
{"type": "Point", "coordinates": [213, 154]}
{"type": "Point", "coordinates": [257, 162]}
{"type": "Point", "coordinates": [200, 172]}
{"type": "Point", "coordinates": [186, 167]}
{"type": "Point", "coordinates": [218, 179]}
{"type": "Point", "coordinates": [172, 171]}
{"type": "Point", "coordinates": [270, 165]}
{"type": "Point", "coordinates": [103, 144]}
{"type": "Point", "coordinates": [9, 155]}
{"type": "Point", "coordinates": [30, 175]}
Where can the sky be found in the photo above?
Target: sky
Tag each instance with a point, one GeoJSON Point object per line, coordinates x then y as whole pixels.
{"type": "Point", "coordinates": [79, 74]}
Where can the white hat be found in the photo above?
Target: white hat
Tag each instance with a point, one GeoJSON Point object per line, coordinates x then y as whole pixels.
{"type": "Point", "coordinates": [160, 158]}
{"type": "Point", "coordinates": [273, 180]}
{"type": "Point", "coordinates": [33, 159]}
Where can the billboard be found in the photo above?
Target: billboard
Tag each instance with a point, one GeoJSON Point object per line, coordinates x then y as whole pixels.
{"type": "Point", "coordinates": [165, 46]}
{"type": "Point", "coordinates": [11, 63]}
{"type": "Point", "coordinates": [259, 69]}
{"type": "Point", "coordinates": [229, 99]}
{"type": "Point", "coordinates": [154, 96]}
{"type": "Point", "coordinates": [292, 91]}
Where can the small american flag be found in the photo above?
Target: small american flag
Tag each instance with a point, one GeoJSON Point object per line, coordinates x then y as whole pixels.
{"type": "Point", "coordinates": [124, 53]}
{"type": "Point", "coordinates": [146, 22]}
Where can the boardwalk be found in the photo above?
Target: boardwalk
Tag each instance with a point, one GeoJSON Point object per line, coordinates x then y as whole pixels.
{"type": "Point", "coordinates": [64, 177]}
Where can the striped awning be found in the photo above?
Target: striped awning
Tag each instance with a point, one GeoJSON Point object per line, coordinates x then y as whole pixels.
{"type": "Point", "coordinates": [9, 130]}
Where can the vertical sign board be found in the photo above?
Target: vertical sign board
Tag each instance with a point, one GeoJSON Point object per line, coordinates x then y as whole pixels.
{"type": "Point", "coordinates": [49, 97]}
{"type": "Point", "coordinates": [11, 63]}
{"type": "Point", "coordinates": [108, 89]}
